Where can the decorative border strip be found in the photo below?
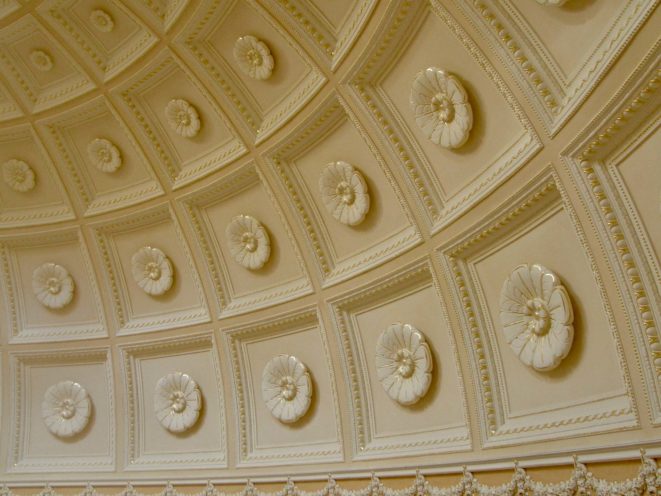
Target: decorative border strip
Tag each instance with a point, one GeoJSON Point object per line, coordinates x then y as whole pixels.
{"type": "Point", "coordinates": [581, 481]}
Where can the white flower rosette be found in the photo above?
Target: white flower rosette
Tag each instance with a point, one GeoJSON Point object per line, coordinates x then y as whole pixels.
{"type": "Point", "coordinates": [102, 21]}
{"type": "Point", "coordinates": [344, 193]}
{"type": "Point", "coordinates": [253, 57]}
{"type": "Point", "coordinates": [52, 285]}
{"type": "Point", "coordinates": [441, 107]}
{"type": "Point", "coordinates": [18, 175]}
{"type": "Point", "coordinates": [183, 118]}
{"type": "Point", "coordinates": [152, 270]}
{"type": "Point", "coordinates": [249, 242]}
{"type": "Point", "coordinates": [177, 402]}
{"type": "Point", "coordinates": [66, 408]}
{"type": "Point", "coordinates": [41, 60]}
{"type": "Point", "coordinates": [286, 388]}
{"type": "Point", "coordinates": [403, 363]}
{"type": "Point", "coordinates": [104, 155]}
{"type": "Point", "coordinates": [537, 316]}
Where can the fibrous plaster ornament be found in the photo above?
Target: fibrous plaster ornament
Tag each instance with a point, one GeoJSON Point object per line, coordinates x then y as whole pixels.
{"type": "Point", "coordinates": [177, 402]}
{"type": "Point", "coordinates": [183, 118]}
{"type": "Point", "coordinates": [66, 408]}
{"type": "Point", "coordinates": [286, 388]}
{"type": "Point", "coordinates": [344, 192]}
{"type": "Point", "coordinates": [104, 155]}
{"type": "Point", "coordinates": [52, 285]}
{"type": "Point", "coordinates": [441, 107]}
{"type": "Point", "coordinates": [152, 270]}
{"type": "Point", "coordinates": [18, 175]}
{"type": "Point", "coordinates": [41, 60]}
{"type": "Point", "coordinates": [403, 363]}
{"type": "Point", "coordinates": [556, 3]}
{"type": "Point", "coordinates": [253, 57]}
{"type": "Point", "coordinates": [249, 242]}
{"type": "Point", "coordinates": [102, 21]}
{"type": "Point", "coordinates": [536, 315]}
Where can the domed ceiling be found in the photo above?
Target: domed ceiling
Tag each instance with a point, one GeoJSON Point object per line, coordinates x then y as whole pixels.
{"type": "Point", "coordinates": [248, 238]}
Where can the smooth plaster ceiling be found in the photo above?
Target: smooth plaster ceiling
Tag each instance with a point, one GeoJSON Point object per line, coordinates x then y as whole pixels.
{"type": "Point", "coordinates": [561, 168]}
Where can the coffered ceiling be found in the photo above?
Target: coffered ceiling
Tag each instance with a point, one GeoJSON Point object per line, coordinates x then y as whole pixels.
{"type": "Point", "coordinates": [245, 237]}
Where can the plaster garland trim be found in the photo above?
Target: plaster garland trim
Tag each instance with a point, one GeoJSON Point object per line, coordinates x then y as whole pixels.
{"type": "Point", "coordinates": [581, 481]}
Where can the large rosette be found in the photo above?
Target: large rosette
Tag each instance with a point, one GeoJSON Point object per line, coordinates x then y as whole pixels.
{"type": "Point", "coordinates": [177, 402]}
{"type": "Point", "coordinates": [403, 363]}
{"type": "Point", "coordinates": [286, 388]}
{"type": "Point", "coordinates": [66, 408]}
{"type": "Point", "coordinates": [537, 316]}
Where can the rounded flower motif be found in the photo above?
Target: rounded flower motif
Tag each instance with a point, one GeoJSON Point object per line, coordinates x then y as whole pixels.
{"type": "Point", "coordinates": [177, 402]}
{"type": "Point", "coordinates": [183, 118]}
{"type": "Point", "coordinates": [254, 57]}
{"type": "Point", "coordinates": [286, 388]}
{"type": "Point", "coordinates": [66, 408]}
{"type": "Point", "coordinates": [18, 175]}
{"type": "Point", "coordinates": [41, 60]}
{"type": "Point", "coordinates": [403, 363]}
{"type": "Point", "coordinates": [102, 21]}
{"type": "Point", "coordinates": [344, 193]}
{"type": "Point", "coordinates": [441, 107]}
{"type": "Point", "coordinates": [152, 270]}
{"type": "Point", "coordinates": [104, 155]}
{"type": "Point", "coordinates": [537, 316]}
{"type": "Point", "coordinates": [249, 242]}
{"type": "Point", "coordinates": [52, 285]}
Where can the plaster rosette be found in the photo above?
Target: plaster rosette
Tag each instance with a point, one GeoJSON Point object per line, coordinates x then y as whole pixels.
{"type": "Point", "coordinates": [177, 402]}
{"type": "Point", "coordinates": [41, 60]}
{"type": "Point", "coordinates": [253, 57]}
{"type": "Point", "coordinates": [536, 315]}
{"type": "Point", "coordinates": [104, 155]}
{"type": "Point", "coordinates": [286, 388]}
{"type": "Point", "coordinates": [102, 21]}
{"type": "Point", "coordinates": [152, 270]}
{"type": "Point", "coordinates": [18, 175]}
{"type": "Point", "coordinates": [249, 242]}
{"type": "Point", "coordinates": [66, 408]}
{"type": "Point", "coordinates": [403, 363]}
{"type": "Point", "coordinates": [183, 118]}
{"type": "Point", "coordinates": [441, 107]}
{"type": "Point", "coordinates": [52, 285]}
{"type": "Point", "coordinates": [344, 193]}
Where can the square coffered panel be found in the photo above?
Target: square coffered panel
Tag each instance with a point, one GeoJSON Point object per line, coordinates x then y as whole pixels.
{"type": "Point", "coordinates": [43, 73]}
{"type": "Point", "coordinates": [108, 39]}
{"type": "Point", "coordinates": [150, 444]}
{"type": "Point", "coordinates": [264, 105]}
{"type": "Point", "coordinates": [47, 201]}
{"type": "Point", "coordinates": [27, 319]}
{"type": "Point", "coordinates": [136, 310]}
{"type": "Point", "coordinates": [143, 100]}
{"type": "Point", "coordinates": [343, 250]}
{"type": "Point", "coordinates": [70, 137]}
{"type": "Point", "coordinates": [264, 439]}
{"type": "Point", "coordinates": [383, 427]}
{"type": "Point", "coordinates": [240, 289]}
{"type": "Point", "coordinates": [540, 44]}
{"type": "Point", "coordinates": [33, 447]}
{"type": "Point", "coordinates": [445, 181]}
{"type": "Point", "coordinates": [520, 403]}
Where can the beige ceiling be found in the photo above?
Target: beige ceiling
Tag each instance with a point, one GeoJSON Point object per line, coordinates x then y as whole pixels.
{"type": "Point", "coordinates": [561, 168]}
